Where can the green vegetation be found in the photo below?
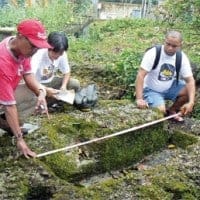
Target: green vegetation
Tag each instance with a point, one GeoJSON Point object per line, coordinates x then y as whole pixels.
{"type": "Point", "coordinates": [114, 49]}
{"type": "Point", "coordinates": [117, 46]}
{"type": "Point", "coordinates": [173, 185]}
{"type": "Point", "coordinates": [58, 15]}
{"type": "Point", "coordinates": [131, 1]}
{"type": "Point", "coordinates": [182, 140]}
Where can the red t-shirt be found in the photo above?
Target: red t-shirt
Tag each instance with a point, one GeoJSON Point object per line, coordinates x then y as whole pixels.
{"type": "Point", "coordinates": [11, 72]}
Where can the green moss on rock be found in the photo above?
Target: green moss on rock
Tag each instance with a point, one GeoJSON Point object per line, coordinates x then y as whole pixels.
{"type": "Point", "coordinates": [182, 139]}
{"type": "Point", "coordinates": [126, 149]}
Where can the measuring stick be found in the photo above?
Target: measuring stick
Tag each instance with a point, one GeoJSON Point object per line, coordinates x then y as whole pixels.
{"type": "Point", "coordinates": [108, 136]}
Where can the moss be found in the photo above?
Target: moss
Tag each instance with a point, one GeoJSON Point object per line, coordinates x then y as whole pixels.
{"type": "Point", "coordinates": [67, 127]}
{"type": "Point", "coordinates": [171, 181]}
{"type": "Point", "coordinates": [16, 180]}
{"type": "Point", "coordinates": [101, 190]}
{"type": "Point", "coordinates": [123, 150]}
{"type": "Point", "coordinates": [63, 131]}
{"type": "Point", "coordinates": [188, 196]}
{"type": "Point", "coordinates": [6, 146]}
{"type": "Point", "coordinates": [62, 165]}
{"type": "Point", "coordinates": [183, 140]}
{"type": "Point", "coordinates": [115, 153]}
{"type": "Point", "coordinates": [154, 192]}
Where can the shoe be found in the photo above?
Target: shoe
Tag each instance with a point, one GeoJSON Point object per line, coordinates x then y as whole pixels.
{"type": "Point", "coordinates": [4, 126]}
{"type": "Point", "coordinates": [24, 131]}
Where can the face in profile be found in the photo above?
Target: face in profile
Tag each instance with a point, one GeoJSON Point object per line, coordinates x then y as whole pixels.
{"type": "Point", "coordinates": [26, 48]}
{"type": "Point", "coordinates": [54, 55]}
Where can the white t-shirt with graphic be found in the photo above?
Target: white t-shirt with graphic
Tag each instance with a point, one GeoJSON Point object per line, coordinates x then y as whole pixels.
{"type": "Point", "coordinates": [161, 78]}
{"type": "Point", "coordinates": [44, 68]}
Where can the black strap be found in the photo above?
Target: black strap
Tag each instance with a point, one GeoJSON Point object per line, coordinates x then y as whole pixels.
{"type": "Point", "coordinates": [178, 64]}
{"type": "Point", "coordinates": [157, 58]}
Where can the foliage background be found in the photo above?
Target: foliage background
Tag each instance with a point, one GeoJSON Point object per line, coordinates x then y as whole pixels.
{"type": "Point", "coordinates": [56, 16]}
{"type": "Point", "coordinates": [116, 46]}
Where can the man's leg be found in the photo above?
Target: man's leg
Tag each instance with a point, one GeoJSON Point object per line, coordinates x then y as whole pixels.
{"type": "Point", "coordinates": [73, 84]}
{"type": "Point", "coordinates": [5, 126]}
{"type": "Point", "coordinates": [154, 99]}
{"type": "Point", "coordinates": [179, 102]}
{"type": "Point", "coordinates": [178, 94]}
{"type": "Point", "coordinates": [3, 123]}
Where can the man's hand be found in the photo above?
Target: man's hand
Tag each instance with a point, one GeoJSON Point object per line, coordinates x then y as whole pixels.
{"type": "Point", "coordinates": [22, 146]}
{"type": "Point", "coordinates": [51, 92]}
{"type": "Point", "coordinates": [187, 108]}
{"type": "Point", "coordinates": [141, 103]}
{"type": "Point", "coordinates": [41, 106]}
{"type": "Point", "coordinates": [63, 88]}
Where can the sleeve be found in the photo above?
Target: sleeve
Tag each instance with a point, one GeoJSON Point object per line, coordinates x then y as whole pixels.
{"type": "Point", "coordinates": [148, 59]}
{"type": "Point", "coordinates": [35, 62]}
{"type": "Point", "coordinates": [27, 66]}
{"type": "Point", "coordinates": [7, 96]}
{"type": "Point", "coordinates": [186, 70]}
{"type": "Point", "coordinates": [63, 65]}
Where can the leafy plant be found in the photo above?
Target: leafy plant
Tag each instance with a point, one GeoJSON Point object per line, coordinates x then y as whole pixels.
{"type": "Point", "coordinates": [56, 16]}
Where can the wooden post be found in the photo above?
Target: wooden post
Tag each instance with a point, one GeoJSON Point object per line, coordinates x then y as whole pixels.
{"type": "Point", "coordinates": [14, 2]}
{"type": "Point", "coordinates": [29, 3]}
{"type": "Point", "coordinates": [45, 3]}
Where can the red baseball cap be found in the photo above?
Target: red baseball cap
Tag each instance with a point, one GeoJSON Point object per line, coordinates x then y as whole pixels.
{"type": "Point", "coordinates": [35, 32]}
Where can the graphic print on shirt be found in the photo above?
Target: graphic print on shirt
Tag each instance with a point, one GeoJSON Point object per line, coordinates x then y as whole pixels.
{"type": "Point", "coordinates": [47, 72]}
{"type": "Point", "coordinates": [166, 72]}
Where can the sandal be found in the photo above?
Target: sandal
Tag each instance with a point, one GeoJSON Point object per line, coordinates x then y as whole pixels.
{"type": "Point", "coordinates": [177, 119]}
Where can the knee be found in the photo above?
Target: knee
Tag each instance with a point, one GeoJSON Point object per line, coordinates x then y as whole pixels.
{"type": "Point", "coordinates": [74, 84]}
{"type": "Point", "coordinates": [162, 108]}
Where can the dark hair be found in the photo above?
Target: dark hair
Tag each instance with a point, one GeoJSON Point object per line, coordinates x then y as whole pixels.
{"type": "Point", "coordinates": [58, 40]}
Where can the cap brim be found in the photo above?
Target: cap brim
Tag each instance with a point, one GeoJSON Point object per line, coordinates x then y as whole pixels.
{"type": "Point", "coordinates": [40, 43]}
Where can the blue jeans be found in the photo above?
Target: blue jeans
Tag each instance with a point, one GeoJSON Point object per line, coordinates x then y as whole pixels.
{"type": "Point", "coordinates": [156, 99]}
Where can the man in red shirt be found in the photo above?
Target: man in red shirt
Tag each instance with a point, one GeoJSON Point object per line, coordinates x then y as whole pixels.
{"type": "Point", "coordinates": [15, 53]}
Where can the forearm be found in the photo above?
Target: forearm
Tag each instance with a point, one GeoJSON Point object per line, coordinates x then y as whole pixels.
{"type": "Point", "coordinates": [13, 120]}
{"type": "Point", "coordinates": [191, 91]}
{"type": "Point", "coordinates": [65, 80]}
{"type": "Point", "coordinates": [39, 90]}
{"type": "Point", "coordinates": [139, 87]}
{"type": "Point", "coordinates": [34, 85]}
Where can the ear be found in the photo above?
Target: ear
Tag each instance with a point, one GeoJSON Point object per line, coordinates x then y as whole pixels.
{"type": "Point", "coordinates": [20, 36]}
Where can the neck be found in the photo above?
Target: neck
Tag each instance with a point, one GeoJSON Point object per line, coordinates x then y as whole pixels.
{"type": "Point", "coordinates": [50, 56]}
{"type": "Point", "coordinates": [12, 47]}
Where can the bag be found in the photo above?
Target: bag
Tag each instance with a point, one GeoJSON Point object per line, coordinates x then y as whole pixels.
{"type": "Point", "coordinates": [86, 97]}
{"type": "Point", "coordinates": [157, 58]}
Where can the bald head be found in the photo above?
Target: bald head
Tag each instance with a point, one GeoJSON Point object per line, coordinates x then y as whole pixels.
{"type": "Point", "coordinates": [173, 42]}
{"type": "Point", "coordinates": [174, 34]}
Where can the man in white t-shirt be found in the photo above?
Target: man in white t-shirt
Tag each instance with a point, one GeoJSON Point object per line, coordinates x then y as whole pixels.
{"type": "Point", "coordinates": [46, 62]}
{"type": "Point", "coordinates": [154, 86]}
